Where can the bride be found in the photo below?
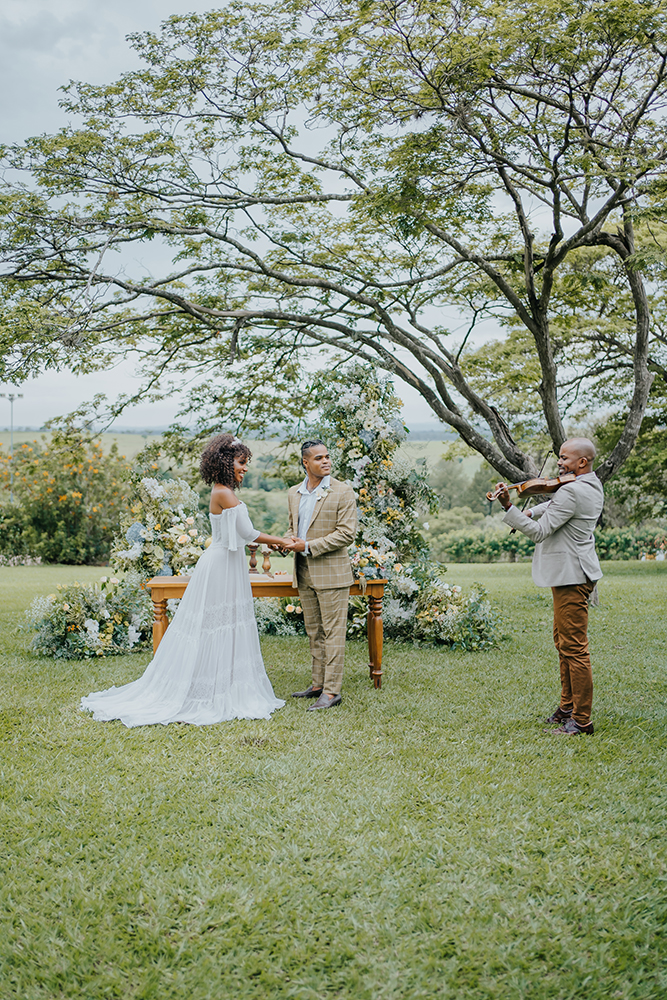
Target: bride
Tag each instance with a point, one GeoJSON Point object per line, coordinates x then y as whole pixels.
{"type": "Point", "coordinates": [208, 667]}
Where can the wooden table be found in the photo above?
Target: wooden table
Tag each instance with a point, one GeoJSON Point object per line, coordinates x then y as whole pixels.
{"type": "Point", "coordinates": [164, 588]}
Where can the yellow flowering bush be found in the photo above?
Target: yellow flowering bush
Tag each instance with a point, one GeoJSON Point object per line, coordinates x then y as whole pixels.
{"type": "Point", "coordinates": [68, 495]}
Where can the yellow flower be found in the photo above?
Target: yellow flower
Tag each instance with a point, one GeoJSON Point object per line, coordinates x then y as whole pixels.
{"type": "Point", "coordinates": [182, 539]}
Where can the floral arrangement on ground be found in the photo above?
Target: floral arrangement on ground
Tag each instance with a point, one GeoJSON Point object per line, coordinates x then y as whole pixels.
{"type": "Point", "coordinates": [108, 618]}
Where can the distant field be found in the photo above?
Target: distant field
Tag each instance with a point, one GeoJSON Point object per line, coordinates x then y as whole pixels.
{"type": "Point", "coordinates": [130, 444]}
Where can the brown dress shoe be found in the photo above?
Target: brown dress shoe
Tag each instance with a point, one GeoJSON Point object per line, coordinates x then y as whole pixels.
{"type": "Point", "coordinates": [324, 701]}
{"type": "Point", "coordinates": [572, 728]}
{"type": "Point", "coordinates": [310, 692]}
{"type": "Point", "coordinates": [558, 716]}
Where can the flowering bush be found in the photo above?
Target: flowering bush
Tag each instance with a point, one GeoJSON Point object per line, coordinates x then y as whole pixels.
{"type": "Point", "coordinates": [163, 532]}
{"type": "Point", "coordinates": [276, 616]}
{"type": "Point", "coordinates": [67, 498]}
{"type": "Point", "coordinates": [360, 420]}
{"type": "Point", "coordinates": [445, 617]}
{"type": "Point", "coordinates": [104, 619]}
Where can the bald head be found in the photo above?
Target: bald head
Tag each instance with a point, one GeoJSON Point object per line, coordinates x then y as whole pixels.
{"type": "Point", "coordinates": [576, 455]}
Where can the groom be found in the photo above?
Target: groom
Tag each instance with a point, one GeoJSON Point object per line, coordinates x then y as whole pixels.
{"type": "Point", "coordinates": [322, 523]}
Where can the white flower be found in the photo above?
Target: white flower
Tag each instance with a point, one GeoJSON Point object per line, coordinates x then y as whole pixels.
{"type": "Point", "coordinates": [105, 613]}
{"type": "Point", "coordinates": [132, 553]}
{"type": "Point", "coordinates": [133, 636]}
{"type": "Point", "coordinates": [93, 630]}
{"type": "Point", "coordinates": [103, 579]}
{"type": "Point", "coordinates": [426, 525]}
{"type": "Point", "coordinates": [404, 585]}
{"type": "Point", "coordinates": [193, 531]}
{"type": "Point", "coordinates": [182, 539]}
{"type": "Point", "coordinates": [65, 607]}
{"type": "Point", "coordinates": [189, 520]}
{"type": "Point", "coordinates": [153, 488]}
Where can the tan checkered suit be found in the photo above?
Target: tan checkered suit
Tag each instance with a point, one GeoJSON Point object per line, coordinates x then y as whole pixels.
{"type": "Point", "coordinates": [324, 577]}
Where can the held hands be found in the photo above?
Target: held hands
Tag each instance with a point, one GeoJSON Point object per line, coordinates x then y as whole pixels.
{"type": "Point", "coordinates": [294, 544]}
{"type": "Point", "coordinates": [289, 544]}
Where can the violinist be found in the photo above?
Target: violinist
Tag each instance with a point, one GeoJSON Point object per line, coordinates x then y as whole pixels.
{"type": "Point", "coordinates": [565, 560]}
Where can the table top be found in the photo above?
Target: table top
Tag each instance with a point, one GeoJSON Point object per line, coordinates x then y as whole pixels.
{"type": "Point", "coordinates": [262, 585]}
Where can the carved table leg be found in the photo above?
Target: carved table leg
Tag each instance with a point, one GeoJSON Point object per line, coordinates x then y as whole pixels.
{"type": "Point", "coordinates": [375, 639]}
{"type": "Point", "coordinates": [160, 622]}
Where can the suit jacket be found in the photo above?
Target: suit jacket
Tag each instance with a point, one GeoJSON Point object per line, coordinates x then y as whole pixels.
{"type": "Point", "coordinates": [332, 528]}
{"type": "Point", "coordinates": [563, 529]}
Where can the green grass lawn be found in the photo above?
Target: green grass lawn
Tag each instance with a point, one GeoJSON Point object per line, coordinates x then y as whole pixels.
{"type": "Point", "coordinates": [426, 840]}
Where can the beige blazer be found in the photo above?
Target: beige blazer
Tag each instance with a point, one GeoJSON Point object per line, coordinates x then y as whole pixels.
{"type": "Point", "coordinates": [332, 528]}
{"type": "Point", "coordinates": [563, 529]}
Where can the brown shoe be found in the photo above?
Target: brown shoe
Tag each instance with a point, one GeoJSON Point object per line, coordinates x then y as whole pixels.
{"type": "Point", "coordinates": [310, 692]}
{"type": "Point", "coordinates": [558, 716]}
{"type": "Point", "coordinates": [324, 701]}
{"type": "Point", "coordinates": [572, 728]}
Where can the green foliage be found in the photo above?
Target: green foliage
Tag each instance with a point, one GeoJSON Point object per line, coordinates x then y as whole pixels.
{"type": "Point", "coordinates": [492, 542]}
{"type": "Point", "coordinates": [641, 485]}
{"type": "Point", "coordinates": [109, 618]}
{"type": "Point", "coordinates": [363, 185]}
{"type": "Point", "coordinates": [455, 490]}
{"type": "Point", "coordinates": [486, 543]}
{"type": "Point", "coordinates": [68, 495]}
{"type": "Point", "coordinates": [277, 617]}
{"type": "Point", "coordinates": [445, 617]}
{"type": "Point", "coordinates": [631, 543]}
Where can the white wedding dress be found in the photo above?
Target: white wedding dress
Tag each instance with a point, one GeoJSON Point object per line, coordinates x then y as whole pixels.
{"type": "Point", "coordinates": [208, 667]}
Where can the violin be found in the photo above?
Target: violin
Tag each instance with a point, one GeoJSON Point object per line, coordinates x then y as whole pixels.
{"type": "Point", "coordinates": [535, 487]}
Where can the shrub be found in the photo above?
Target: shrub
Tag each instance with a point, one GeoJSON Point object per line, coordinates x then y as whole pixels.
{"type": "Point", "coordinates": [445, 617]}
{"type": "Point", "coordinates": [493, 542]}
{"type": "Point", "coordinates": [68, 495]}
{"type": "Point", "coordinates": [104, 619]}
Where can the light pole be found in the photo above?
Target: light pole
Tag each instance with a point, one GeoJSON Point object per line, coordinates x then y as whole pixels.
{"type": "Point", "coordinates": [11, 396]}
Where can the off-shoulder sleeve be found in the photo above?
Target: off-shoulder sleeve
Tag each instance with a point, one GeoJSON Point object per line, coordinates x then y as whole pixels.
{"type": "Point", "coordinates": [244, 526]}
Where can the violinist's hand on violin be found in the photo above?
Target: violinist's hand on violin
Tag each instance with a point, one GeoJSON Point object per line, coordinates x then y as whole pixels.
{"type": "Point", "coordinates": [503, 496]}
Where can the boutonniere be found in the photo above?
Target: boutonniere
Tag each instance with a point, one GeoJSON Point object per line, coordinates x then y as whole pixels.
{"type": "Point", "coordinates": [322, 491]}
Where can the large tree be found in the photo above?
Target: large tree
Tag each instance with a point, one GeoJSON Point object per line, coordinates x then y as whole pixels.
{"type": "Point", "coordinates": [375, 178]}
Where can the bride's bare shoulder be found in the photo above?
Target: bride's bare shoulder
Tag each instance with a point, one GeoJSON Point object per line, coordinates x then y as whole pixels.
{"type": "Point", "coordinates": [222, 498]}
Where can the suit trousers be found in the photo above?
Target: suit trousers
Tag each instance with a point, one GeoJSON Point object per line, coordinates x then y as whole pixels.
{"type": "Point", "coordinates": [325, 618]}
{"type": "Point", "coordinates": [571, 640]}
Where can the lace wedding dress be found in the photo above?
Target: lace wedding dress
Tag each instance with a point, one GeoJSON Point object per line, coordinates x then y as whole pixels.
{"type": "Point", "coordinates": [208, 667]}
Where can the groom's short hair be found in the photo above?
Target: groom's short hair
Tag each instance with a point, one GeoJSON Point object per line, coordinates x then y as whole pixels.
{"type": "Point", "coordinates": [307, 445]}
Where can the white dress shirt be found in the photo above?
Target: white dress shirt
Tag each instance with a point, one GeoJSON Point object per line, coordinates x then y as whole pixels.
{"type": "Point", "coordinates": [307, 502]}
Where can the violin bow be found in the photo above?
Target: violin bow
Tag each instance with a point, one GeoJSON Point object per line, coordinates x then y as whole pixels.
{"type": "Point", "coordinates": [525, 502]}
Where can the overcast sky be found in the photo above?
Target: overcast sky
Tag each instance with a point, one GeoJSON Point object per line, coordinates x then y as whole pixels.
{"type": "Point", "coordinates": [43, 45]}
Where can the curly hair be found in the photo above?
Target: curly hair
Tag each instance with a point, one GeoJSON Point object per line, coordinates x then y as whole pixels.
{"type": "Point", "coordinates": [217, 461]}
